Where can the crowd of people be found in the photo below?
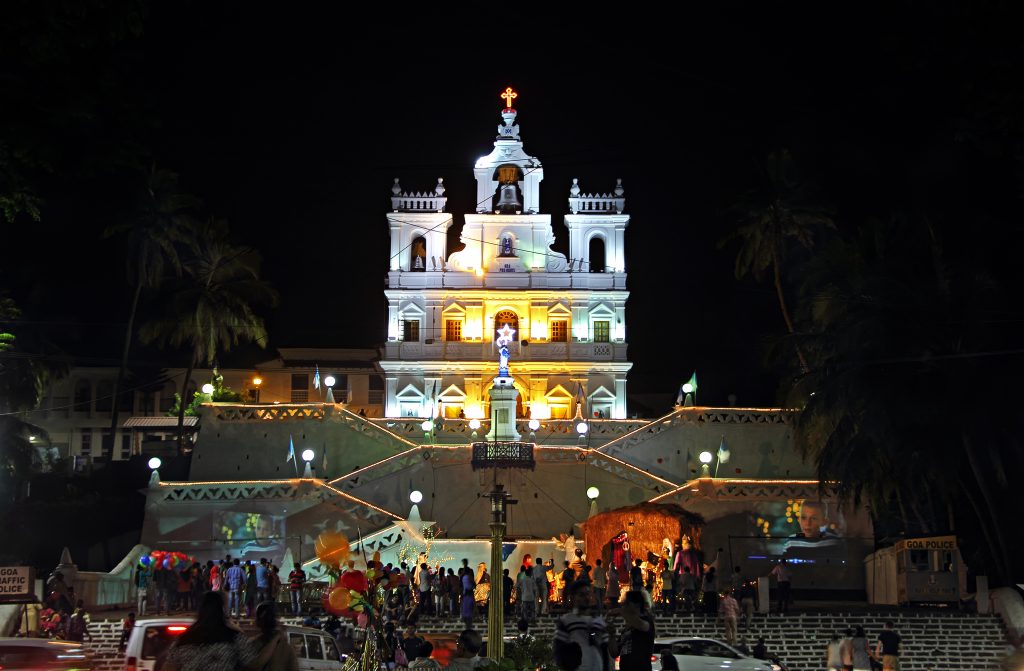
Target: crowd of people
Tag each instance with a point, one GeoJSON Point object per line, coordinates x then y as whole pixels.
{"type": "Point", "coordinates": [164, 590]}
{"type": "Point", "coordinates": [583, 596]}
{"type": "Point", "coordinates": [63, 615]}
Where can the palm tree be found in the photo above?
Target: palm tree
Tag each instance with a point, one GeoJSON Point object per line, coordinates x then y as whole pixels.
{"type": "Point", "coordinates": [23, 378]}
{"type": "Point", "coordinates": [154, 237]}
{"type": "Point", "coordinates": [212, 309]}
{"type": "Point", "coordinates": [910, 398]}
{"type": "Point", "coordinates": [777, 212]}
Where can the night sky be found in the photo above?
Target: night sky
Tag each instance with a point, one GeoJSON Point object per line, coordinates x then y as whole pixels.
{"type": "Point", "coordinates": [291, 125]}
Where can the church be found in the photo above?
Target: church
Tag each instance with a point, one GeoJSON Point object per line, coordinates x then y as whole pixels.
{"type": "Point", "coordinates": [504, 339]}
{"type": "Point", "coordinates": [567, 317]}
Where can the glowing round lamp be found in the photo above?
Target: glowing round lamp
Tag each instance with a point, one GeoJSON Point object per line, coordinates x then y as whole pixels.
{"type": "Point", "coordinates": [207, 388]}
{"type": "Point", "coordinates": [257, 380]}
{"type": "Point", "coordinates": [427, 425]}
{"type": "Point", "coordinates": [416, 496]}
{"type": "Point", "coordinates": [307, 455]}
{"type": "Point", "coordinates": [581, 428]}
{"type": "Point", "coordinates": [329, 380]}
{"type": "Point", "coordinates": [593, 493]}
{"type": "Point", "coordinates": [474, 423]}
{"type": "Point", "coordinates": [687, 388]}
{"type": "Point", "coordinates": [154, 463]}
{"type": "Point", "coordinates": [705, 457]}
{"type": "Point", "coordinates": [534, 424]}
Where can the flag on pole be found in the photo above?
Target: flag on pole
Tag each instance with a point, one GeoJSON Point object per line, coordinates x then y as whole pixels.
{"type": "Point", "coordinates": [723, 451]}
{"type": "Point", "coordinates": [693, 382]}
{"type": "Point", "coordinates": [679, 396]}
{"type": "Point", "coordinates": [316, 377]}
{"type": "Point", "coordinates": [323, 472]}
{"type": "Point", "coordinates": [291, 454]}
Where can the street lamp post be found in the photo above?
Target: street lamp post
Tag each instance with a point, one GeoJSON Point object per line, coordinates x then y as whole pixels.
{"type": "Point", "coordinates": [705, 459]}
{"type": "Point", "coordinates": [256, 382]}
{"type": "Point", "coordinates": [307, 456]}
{"type": "Point", "coordinates": [496, 600]}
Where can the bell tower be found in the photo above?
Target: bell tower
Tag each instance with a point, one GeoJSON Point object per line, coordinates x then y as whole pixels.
{"type": "Point", "coordinates": [507, 289]}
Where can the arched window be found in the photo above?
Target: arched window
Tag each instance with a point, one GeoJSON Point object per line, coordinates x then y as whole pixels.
{"type": "Point", "coordinates": [596, 254]}
{"type": "Point", "coordinates": [509, 318]}
{"type": "Point", "coordinates": [418, 254]}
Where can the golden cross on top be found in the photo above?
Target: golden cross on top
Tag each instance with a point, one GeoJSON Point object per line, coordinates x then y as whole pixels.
{"type": "Point", "coordinates": [509, 95]}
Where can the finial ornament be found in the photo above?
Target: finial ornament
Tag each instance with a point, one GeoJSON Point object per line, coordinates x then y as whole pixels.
{"type": "Point", "coordinates": [509, 95]}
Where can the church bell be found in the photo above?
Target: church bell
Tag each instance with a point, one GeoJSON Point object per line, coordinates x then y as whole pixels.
{"type": "Point", "coordinates": [508, 201]}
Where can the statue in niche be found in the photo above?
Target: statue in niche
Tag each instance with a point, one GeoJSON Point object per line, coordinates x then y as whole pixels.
{"type": "Point", "coordinates": [419, 254]}
{"type": "Point", "coordinates": [506, 247]}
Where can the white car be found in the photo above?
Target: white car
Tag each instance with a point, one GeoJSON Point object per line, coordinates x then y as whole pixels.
{"type": "Point", "coordinates": [693, 653]}
{"type": "Point", "coordinates": [151, 637]}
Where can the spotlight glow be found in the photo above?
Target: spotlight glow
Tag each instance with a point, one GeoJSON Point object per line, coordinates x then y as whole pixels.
{"type": "Point", "coordinates": [593, 493]}
{"type": "Point", "coordinates": [534, 424]}
{"type": "Point", "coordinates": [329, 380]}
{"type": "Point", "coordinates": [687, 388]}
{"type": "Point", "coordinates": [705, 457]}
{"type": "Point", "coordinates": [427, 425]}
{"type": "Point", "coordinates": [207, 388]}
{"type": "Point", "coordinates": [416, 496]}
{"type": "Point", "coordinates": [474, 423]}
{"type": "Point", "coordinates": [582, 428]}
{"type": "Point", "coordinates": [154, 463]}
{"type": "Point", "coordinates": [307, 455]}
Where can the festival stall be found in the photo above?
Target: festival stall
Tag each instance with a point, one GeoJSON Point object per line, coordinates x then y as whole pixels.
{"type": "Point", "coordinates": [619, 536]}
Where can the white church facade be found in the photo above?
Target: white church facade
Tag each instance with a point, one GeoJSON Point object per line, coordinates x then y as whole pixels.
{"type": "Point", "coordinates": [445, 309]}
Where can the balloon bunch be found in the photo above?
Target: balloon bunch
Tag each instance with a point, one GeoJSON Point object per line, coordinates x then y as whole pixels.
{"type": "Point", "coordinates": [355, 594]}
{"type": "Point", "coordinates": [177, 561]}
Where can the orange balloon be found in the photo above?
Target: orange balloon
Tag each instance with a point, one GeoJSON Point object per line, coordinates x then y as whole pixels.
{"type": "Point", "coordinates": [332, 549]}
{"type": "Point", "coordinates": [339, 598]}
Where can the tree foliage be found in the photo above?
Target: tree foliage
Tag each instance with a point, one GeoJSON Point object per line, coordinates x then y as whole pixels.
{"type": "Point", "coordinates": [910, 398]}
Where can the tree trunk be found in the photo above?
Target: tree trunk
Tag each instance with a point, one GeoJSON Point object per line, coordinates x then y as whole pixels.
{"type": "Point", "coordinates": [980, 515]}
{"type": "Point", "coordinates": [903, 510]}
{"type": "Point", "coordinates": [993, 516]}
{"type": "Point", "coordinates": [182, 405]}
{"type": "Point", "coordinates": [785, 310]}
{"type": "Point", "coordinates": [129, 332]}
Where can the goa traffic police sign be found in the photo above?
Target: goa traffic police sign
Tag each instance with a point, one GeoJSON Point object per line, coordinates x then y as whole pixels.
{"type": "Point", "coordinates": [16, 584]}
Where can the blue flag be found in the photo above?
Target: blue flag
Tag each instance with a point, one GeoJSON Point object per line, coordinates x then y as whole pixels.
{"type": "Point", "coordinates": [291, 450]}
{"type": "Point", "coordinates": [316, 377]}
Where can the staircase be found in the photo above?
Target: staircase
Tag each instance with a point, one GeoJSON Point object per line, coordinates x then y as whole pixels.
{"type": "Point", "coordinates": [932, 641]}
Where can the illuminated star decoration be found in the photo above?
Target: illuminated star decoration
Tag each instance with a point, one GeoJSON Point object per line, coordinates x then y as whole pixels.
{"type": "Point", "coordinates": [505, 335]}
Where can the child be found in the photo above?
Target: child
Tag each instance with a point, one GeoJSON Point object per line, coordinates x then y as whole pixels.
{"type": "Point", "coordinates": [126, 630]}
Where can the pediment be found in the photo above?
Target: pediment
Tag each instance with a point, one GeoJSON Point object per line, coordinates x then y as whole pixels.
{"type": "Point", "coordinates": [410, 392]}
{"type": "Point", "coordinates": [558, 392]}
{"type": "Point", "coordinates": [452, 392]}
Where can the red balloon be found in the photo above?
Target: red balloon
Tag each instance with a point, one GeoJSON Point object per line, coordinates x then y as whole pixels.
{"type": "Point", "coordinates": [355, 580]}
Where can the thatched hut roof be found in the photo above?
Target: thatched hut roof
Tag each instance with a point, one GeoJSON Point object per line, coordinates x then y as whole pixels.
{"type": "Point", "coordinates": [647, 524]}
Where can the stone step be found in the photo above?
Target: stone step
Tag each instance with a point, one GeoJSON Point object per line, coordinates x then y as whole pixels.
{"type": "Point", "coordinates": [950, 641]}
